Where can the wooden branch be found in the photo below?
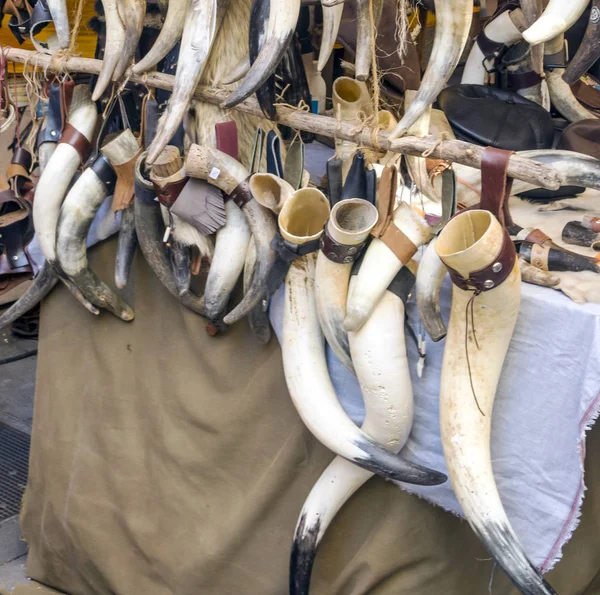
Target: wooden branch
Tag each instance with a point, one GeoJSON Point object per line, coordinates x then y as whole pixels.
{"type": "Point", "coordinates": [451, 150]}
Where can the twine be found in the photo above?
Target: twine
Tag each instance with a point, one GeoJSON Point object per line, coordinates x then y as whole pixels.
{"type": "Point", "coordinates": [443, 137]}
{"type": "Point", "coordinates": [61, 56]}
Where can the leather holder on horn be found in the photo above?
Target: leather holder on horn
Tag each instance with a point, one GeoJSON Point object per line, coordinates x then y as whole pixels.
{"type": "Point", "coordinates": [241, 194]}
{"type": "Point", "coordinates": [385, 229]}
{"type": "Point", "coordinates": [339, 253]}
{"type": "Point", "coordinates": [72, 136]}
{"type": "Point", "coordinates": [168, 194]}
{"type": "Point", "coordinates": [125, 187]}
{"type": "Point", "coordinates": [105, 172]}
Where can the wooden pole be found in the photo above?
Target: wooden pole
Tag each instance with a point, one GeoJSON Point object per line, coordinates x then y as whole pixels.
{"type": "Point", "coordinates": [452, 150]}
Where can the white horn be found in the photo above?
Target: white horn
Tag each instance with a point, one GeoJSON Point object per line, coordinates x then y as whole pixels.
{"type": "Point", "coordinates": [131, 13]}
{"type": "Point", "coordinates": [556, 19]}
{"type": "Point", "coordinates": [349, 226]}
{"type": "Point", "coordinates": [332, 18]}
{"type": "Point", "coordinates": [168, 37]}
{"type": "Point", "coordinates": [563, 98]}
{"type": "Point", "coordinates": [364, 35]}
{"type": "Point", "coordinates": [479, 333]}
{"type": "Point", "coordinates": [270, 191]}
{"type": "Point", "coordinates": [60, 17]}
{"type": "Point", "coordinates": [453, 23]}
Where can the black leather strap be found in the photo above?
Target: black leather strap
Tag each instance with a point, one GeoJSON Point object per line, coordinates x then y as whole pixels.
{"type": "Point", "coordinates": [40, 19]}
{"type": "Point", "coordinates": [402, 284]}
{"type": "Point", "coordinates": [102, 167]}
{"type": "Point", "coordinates": [50, 133]}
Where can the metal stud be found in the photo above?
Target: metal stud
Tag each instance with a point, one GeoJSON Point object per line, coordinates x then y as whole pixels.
{"type": "Point", "coordinates": [497, 267]}
{"type": "Point", "coordinates": [488, 284]}
{"type": "Point", "coordinates": [15, 257]}
{"type": "Point", "coordinates": [352, 250]}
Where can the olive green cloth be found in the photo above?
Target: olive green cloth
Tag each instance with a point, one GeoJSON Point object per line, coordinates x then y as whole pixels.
{"type": "Point", "coordinates": [165, 462]}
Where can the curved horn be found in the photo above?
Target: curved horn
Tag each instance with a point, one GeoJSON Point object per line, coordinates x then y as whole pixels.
{"type": "Point", "coordinates": [131, 13]}
{"type": "Point", "coordinates": [380, 266]}
{"type": "Point", "coordinates": [258, 317]}
{"type": "Point", "coordinates": [302, 220]}
{"type": "Point", "coordinates": [169, 35]}
{"type": "Point", "coordinates": [589, 49]}
{"type": "Point", "coordinates": [113, 49]}
{"type": "Point", "coordinates": [471, 242]}
{"type": "Point", "coordinates": [430, 276]}
{"type": "Point", "coordinates": [332, 18]}
{"type": "Point", "coordinates": [349, 226]}
{"type": "Point", "coordinates": [271, 191]}
{"type": "Point", "coordinates": [364, 35]}
{"type": "Point", "coordinates": [556, 19]}
{"type": "Point", "coordinates": [379, 355]}
{"type": "Point", "coordinates": [60, 17]}
{"type": "Point", "coordinates": [221, 170]}
{"type": "Point", "coordinates": [563, 98]}
{"type": "Point", "coordinates": [203, 21]}
{"type": "Point", "coordinates": [283, 16]}
{"type": "Point", "coordinates": [126, 247]}
{"type": "Point", "coordinates": [453, 23]}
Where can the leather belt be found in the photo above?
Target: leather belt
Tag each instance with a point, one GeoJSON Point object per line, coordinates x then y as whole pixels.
{"type": "Point", "coordinates": [102, 167]}
{"type": "Point", "coordinates": [495, 186]}
{"type": "Point", "coordinates": [514, 81]}
{"type": "Point", "coordinates": [242, 194]}
{"type": "Point", "coordinates": [72, 136]}
{"type": "Point", "coordinates": [50, 133]}
{"type": "Point", "coordinates": [339, 253]}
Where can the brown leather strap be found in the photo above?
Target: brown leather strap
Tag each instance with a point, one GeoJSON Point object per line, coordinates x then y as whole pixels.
{"type": "Point", "coordinates": [167, 195]}
{"type": "Point", "coordinates": [7, 197]}
{"type": "Point", "coordinates": [492, 275]}
{"type": "Point", "coordinates": [339, 253]}
{"type": "Point", "coordinates": [537, 236]}
{"type": "Point", "coordinates": [242, 194]}
{"type": "Point", "coordinates": [125, 186]}
{"type": "Point", "coordinates": [227, 138]}
{"type": "Point", "coordinates": [66, 97]}
{"type": "Point", "coordinates": [72, 136]}
{"type": "Point", "coordinates": [385, 229]}
{"type": "Point", "coordinates": [495, 186]}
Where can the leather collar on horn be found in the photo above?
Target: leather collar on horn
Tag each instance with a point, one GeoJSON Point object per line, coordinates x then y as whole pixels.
{"type": "Point", "coordinates": [72, 136]}
{"type": "Point", "coordinates": [339, 253]}
{"type": "Point", "coordinates": [102, 167]}
{"type": "Point", "coordinates": [241, 194]}
{"type": "Point", "coordinates": [167, 195]}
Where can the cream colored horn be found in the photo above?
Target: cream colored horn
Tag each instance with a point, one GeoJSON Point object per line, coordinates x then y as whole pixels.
{"type": "Point", "coordinates": [479, 333]}
{"type": "Point", "coordinates": [555, 20]}
{"type": "Point", "coordinates": [332, 18]}
{"type": "Point", "coordinates": [453, 23]}
{"type": "Point", "coordinates": [349, 225]}
{"type": "Point", "coordinates": [168, 37]}
{"type": "Point", "coordinates": [270, 191]}
{"type": "Point", "coordinates": [60, 18]}
{"type": "Point", "coordinates": [364, 35]}
{"type": "Point", "coordinates": [131, 13]}
{"type": "Point", "coordinates": [430, 276]}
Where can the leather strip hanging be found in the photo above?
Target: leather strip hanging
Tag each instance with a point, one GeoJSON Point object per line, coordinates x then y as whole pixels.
{"type": "Point", "coordinates": [124, 188]}
{"type": "Point", "coordinates": [40, 19]}
{"type": "Point", "coordinates": [385, 229]}
{"type": "Point", "coordinates": [495, 186]}
{"type": "Point", "coordinates": [227, 138]}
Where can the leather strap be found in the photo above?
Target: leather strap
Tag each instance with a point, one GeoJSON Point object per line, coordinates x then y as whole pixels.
{"type": "Point", "coordinates": [145, 194]}
{"type": "Point", "coordinates": [18, 172]}
{"type": "Point", "coordinates": [385, 229]}
{"type": "Point", "coordinates": [8, 197]}
{"type": "Point", "coordinates": [537, 236]}
{"type": "Point", "coordinates": [124, 188]}
{"type": "Point", "coordinates": [340, 253]}
{"type": "Point", "coordinates": [66, 89]}
{"type": "Point", "coordinates": [40, 19]}
{"type": "Point", "coordinates": [242, 194]}
{"type": "Point", "coordinates": [492, 275]}
{"type": "Point", "coordinates": [227, 138]}
{"type": "Point", "coordinates": [402, 284]}
{"type": "Point", "coordinates": [489, 48]}
{"type": "Point", "coordinates": [53, 121]}
{"type": "Point", "coordinates": [495, 186]}
{"type": "Point", "coordinates": [102, 167]}
{"type": "Point", "coordinates": [167, 195]}
{"type": "Point", "coordinates": [514, 81]}
{"type": "Point", "coordinates": [558, 60]}
{"type": "Point", "coordinates": [72, 136]}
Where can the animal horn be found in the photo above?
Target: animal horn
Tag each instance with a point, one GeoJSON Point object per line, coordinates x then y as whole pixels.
{"type": "Point", "coordinates": [332, 18]}
{"type": "Point", "coordinates": [555, 20]}
{"type": "Point", "coordinates": [563, 98]}
{"type": "Point", "coordinates": [113, 50]}
{"type": "Point", "coordinates": [589, 49]}
{"type": "Point", "coordinates": [203, 20]}
{"type": "Point", "coordinates": [349, 226]}
{"type": "Point", "coordinates": [169, 35]}
{"type": "Point", "coordinates": [364, 35]}
{"type": "Point", "coordinates": [239, 71]}
{"type": "Point", "coordinates": [271, 191]}
{"type": "Point", "coordinates": [131, 13]}
{"type": "Point", "coordinates": [283, 16]}
{"type": "Point", "coordinates": [379, 355]}
{"type": "Point", "coordinates": [303, 347]}
{"type": "Point", "coordinates": [221, 170]}
{"type": "Point", "coordinates": [453, 23]}
{"type": "Point", "coordinates": [472, 241]}
{"type": "Point", "coordinates": [60, 18]}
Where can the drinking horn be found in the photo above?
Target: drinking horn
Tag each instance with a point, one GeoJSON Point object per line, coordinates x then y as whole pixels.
{"type": "Point", "coordinates": [346, 232]}
{"type": "Point", "coordinates": [379, 355]}
{"type": "Point", "coordinates": [169, 35]}
{"type": "Point", "coordinates": [555, 20]}
{"type": "Point", "coordinates": [283, 17]}
{"type": "Point", "coordinates": [332, 18]}
{"type": "Point", "coordinates": [113, 49]}
{"type": "Point", "coordinates": [303, 351]}
{"type": "Point", "coordinates": [485, 304]}
{"type": "Point", "coordinates": [453, 23]}
{"type": "Point", "coordinates": [407, 231]}
{"type": "Point", "coordinates": [126, 247]}
{"type": "Point", "coordinates": [224, 172]}
{"type": "Point", "coordinates": [364, 35]}
{"type": "Point", "coordinates": [203, 21]}
{"type": "Point", "coordinates": [589, 48]}
{"type": "Point", "coordinates": [131, 13]}
{"type": "Point", "coordinates": [271, 191]}
{"type": "Point", "coordinates": [60, 18]}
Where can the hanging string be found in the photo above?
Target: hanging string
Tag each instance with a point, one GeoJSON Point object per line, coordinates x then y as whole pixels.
{"type": "Point", "coordinates": [61, 57]}
{"type": "Point", "coordinates": [17, 115]}
{"type": "Point", "coordinates": [471, 305]}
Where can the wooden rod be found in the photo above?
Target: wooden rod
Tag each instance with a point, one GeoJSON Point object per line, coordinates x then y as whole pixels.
{"type": "Point", "coordinates": [452, 150]}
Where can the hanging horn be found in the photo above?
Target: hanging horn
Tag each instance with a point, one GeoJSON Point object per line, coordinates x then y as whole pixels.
{"type": "Point", "coordinates": [283, 16]}
{"type": "Point", "coordinates": [430, 276]}
{"type": "Point", "coordinates": [271, 191]}
{"type": "Point", "coordinates": [346, 232]}
{"type": "Point", "coordinates": [332, 18]}
{"type": "Point", "coordinates": [379, 355]}
{"type": "Point", "coordinates": [555, 20]}
{"type": "Point", "coordinates": [474, 246]}
{"type": "Point", "coordinates": [588, 51]}
{"type": "Point", "coordinates": [224, 172]}
{"type": "Point", "coordinates": [60, 18]}
{"type": "Point", "coordinates": [303, 348]}
{"type": "Point", "coordinates": [453, 23]}
{"type": "Point", "coordinates": [364, 35]}
{"type": "Point", "coordinates": [203, 21]}
{"type": "Point", "coordinates": [131, 13]}
{"type": "Point", "coordinates": [113, 49]}
{"type": "Point", "coordinates": [168, 37]}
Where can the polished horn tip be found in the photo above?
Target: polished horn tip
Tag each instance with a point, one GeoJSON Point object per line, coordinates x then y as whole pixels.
{"type": "Point", "coordinates": [541, 31]}
{"type": "Point", "coordinates": [302, 558]}
{"type": "Point", "coordinates": [127, 315]}
{"type": "Point", "coordinates": [354, 320]}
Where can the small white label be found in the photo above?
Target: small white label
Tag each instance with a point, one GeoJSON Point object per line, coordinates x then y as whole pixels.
{"type": "Point", "coordinates": [215, 172]}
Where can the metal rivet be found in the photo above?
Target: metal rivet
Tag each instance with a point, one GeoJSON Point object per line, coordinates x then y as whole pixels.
{"type": "Point", "coordinates": [331, 256]}
{"type": "Point", "coordinates": [53, 133]}
{"type": "Point", "coordinates": [352, 250]}
{"type": "Point", "coordinates": [497, 267]}
{"type": "Point", "coordinates": [488, 284]}
{"type": "Point", "coordinates": [15, 257]}
{"type": "Point", "coordinates": [348, 260]}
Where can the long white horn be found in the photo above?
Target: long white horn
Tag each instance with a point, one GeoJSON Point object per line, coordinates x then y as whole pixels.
{"type": "Point", "coordinates": [332, 18]}
{"type": "Point", "coordinates": [169, 35]}
{"type": "Point", "coordinates": [501, 30]}
{"type": "Point", "coordinates": [131, 13]}
{"type": "Point", "coordinates": [453, 22]}
{"type": "Point", "coordinates": [203, 21]}
{"type": "Point", "coordinates": [221, 170]}
{"type": "Point", "coordinates": [347, 230]}
{"type": "Point", "coordinates": [364, 35]}
{"type": "Point", "coordinates": [59, 172]}
{"type": "Point", "coordinates": [556, 19]}
{"type": "Point", "coordinates": [430, 275]}
{"type": "Point", "coordinates": [563, 98]}
{"type": "Point", "coordinates": [474, 244]}
{"type": "Point", "coordinates": [270, 191]}
{"type": "Point", "coordinates": [283, 17]}
{"type": "Point", "coordinates": [60, 17]}
{"type": "Point", "coordinates": [113, 49]}
{"type": "Point", "coordinates": [303, 348]}
{"type": "Point", "coordinates": [379, 355]}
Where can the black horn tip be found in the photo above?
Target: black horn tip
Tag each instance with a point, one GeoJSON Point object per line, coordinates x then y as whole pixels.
{"type": "Point", "coordinates": [304, 551]}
